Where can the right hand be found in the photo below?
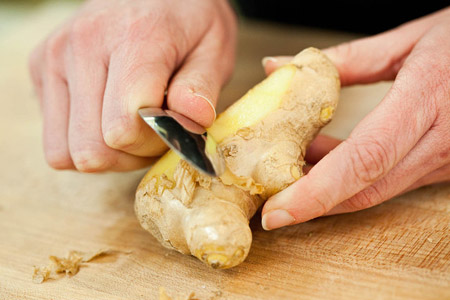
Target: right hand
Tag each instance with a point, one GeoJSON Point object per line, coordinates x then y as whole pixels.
{"type": "Point", "coordinates": [115, 56]}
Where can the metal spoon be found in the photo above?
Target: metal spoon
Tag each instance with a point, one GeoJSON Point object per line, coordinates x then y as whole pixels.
{"type": "Point", "coordinates": [187, 138]}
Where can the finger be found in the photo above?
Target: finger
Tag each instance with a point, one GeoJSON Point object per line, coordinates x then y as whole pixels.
{"type": "Point", "coordinates": [378, 57]}
{"type": "Point", "coordinates": [195, 88]}
{"type": "Point", "coordinates": [47, 72]}
{"type": "Point", "coordinates": [370, 59]}
{"type": "Point", "coordinates": [35, 66]}
{"type": "Point", "coordinates": [437, 176]}
{"type": "Point", "coordinates": [374, 147]}
{"type": "Point", "coordinates": [137, 77]}
{"type": "Point", "coordinates": [86, 80]}
{"type": "Point", "coordinates": [271, 63]}
{"type": "Point", "coordinates": [320, 147]}
{"type": "Point", "coordinates": [55, 110]}
{"type": "Point", "coordinates": [417, 168]}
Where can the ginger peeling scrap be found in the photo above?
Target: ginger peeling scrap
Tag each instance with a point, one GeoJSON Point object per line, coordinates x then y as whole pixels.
{"type": "Point", "coordinates": [163, 296]}
{"type": "Point", "coordinates": [263, 138]}
{"type": "Point", "coordinates": [69, 265]}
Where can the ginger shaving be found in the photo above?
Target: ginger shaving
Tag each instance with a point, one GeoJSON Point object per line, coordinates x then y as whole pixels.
{"type": "Point", "coordinates": [163, 296]}
{"type": "Point", "coordinates": [69, 265]}
{"type": "Point", "coordinates": [184, 182]}
{"type": "Point", "coordinates": [244, 183]}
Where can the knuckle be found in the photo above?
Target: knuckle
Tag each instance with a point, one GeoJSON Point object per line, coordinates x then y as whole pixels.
{"type": "Point", "coordinates": [165, 54]}
{"type": "Point", "coordinates": [167, 45]}
{"type": "Point", "coordinates": [430, 78]}
{"type": "Point", "coordinates": [58, 159]}
{"type": "Point", "coordinates": [345, 50]}
{"type": "Point", "coordinates": [141, 27]}
{"type": "Point", "coordinates": [90, 159]}
{"type": "Point", "coordinates": [170, 55]}
{"type": "Point", "coordinates": [370, 159]}
{"type": "Point", "coordinates": [53, 46]}
{"type": "Point", "coordinates": [163, 60]}
{"type": "Point", "coordinates": [52, 52]}
{"type": "Point", "coordinates": [349, 52]}
{"type": "Point", "coordinates": [122, 136]}
{"type": "Point", "coordinates": [369, 197]}
{"type": "Point", "coordinates": [320, 202]}
{"type": "Point", "coordinates": [322, 208]}
{"type": "Point", "coordinates": [349, 58]}
{"type": "Point", "coordinates": [82, 32]}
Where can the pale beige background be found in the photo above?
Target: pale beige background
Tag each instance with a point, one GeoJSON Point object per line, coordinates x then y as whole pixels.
{"type": "Point", "coordinates": [398, 250]}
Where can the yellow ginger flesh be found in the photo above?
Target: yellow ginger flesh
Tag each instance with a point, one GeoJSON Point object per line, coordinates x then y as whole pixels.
{"type": "Point", "coordinates": [263, 138]}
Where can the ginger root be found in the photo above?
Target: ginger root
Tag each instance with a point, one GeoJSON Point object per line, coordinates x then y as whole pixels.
{"type": "Point", "coordinates": [263, 138]}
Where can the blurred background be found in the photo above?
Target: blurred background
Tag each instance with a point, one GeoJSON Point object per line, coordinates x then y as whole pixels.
{"type": "Point", "coordinates": [398, 248]}
{"type": "Point", "coordinates": [367, 17]}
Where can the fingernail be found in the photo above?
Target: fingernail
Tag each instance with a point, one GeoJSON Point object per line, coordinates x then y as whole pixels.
{"type": "Point", "coordinates": [266, 59]}
{"type": "Point", "coordinates": [276, 219]}
{"type": "Point", "coordinates": [209, 102]}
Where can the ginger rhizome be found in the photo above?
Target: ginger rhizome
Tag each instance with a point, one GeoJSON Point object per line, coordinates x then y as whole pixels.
{"type": "Point", "coordinates": [263, 138]}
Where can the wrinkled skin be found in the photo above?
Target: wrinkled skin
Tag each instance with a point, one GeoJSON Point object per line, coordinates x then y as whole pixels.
{"type": "Point", "coordinates": [404, 143]}
{"type": "Point", "coordinates": [115, 56]}
{"type": "Point", "coordinates": [112, 57]}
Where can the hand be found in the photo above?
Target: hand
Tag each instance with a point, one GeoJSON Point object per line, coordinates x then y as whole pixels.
{"type": "Point", "coordinates": [115, 56]}
{"type": "Point", "coordinates": [404, 143]}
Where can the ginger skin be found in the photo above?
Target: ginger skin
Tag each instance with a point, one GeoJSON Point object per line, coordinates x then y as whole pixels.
{"type": "Point", "coordinates": [263, 148]}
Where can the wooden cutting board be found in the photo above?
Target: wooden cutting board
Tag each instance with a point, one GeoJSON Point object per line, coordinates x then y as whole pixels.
{"type": "Point", "coordinates": [398, 250]}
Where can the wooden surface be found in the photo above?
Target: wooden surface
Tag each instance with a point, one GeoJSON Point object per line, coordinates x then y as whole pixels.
{"type": "Point", "coordinates": [398, 250]}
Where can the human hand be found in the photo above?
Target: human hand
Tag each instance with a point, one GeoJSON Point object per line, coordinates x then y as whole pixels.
{"type": "Point", "coordinates": [115, 56]}
{"type": "Point", "coordinates": [404, 143]}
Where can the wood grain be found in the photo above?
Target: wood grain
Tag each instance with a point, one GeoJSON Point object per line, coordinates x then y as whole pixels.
{"type": "Point", "coordinates": [398, 250]}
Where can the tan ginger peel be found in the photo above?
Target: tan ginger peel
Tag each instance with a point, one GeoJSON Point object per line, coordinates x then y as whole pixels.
{"type": "Point", "coordinates": [263, 137]}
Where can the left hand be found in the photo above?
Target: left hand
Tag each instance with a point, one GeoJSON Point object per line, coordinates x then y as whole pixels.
{"type": "Point", "coordinates": [403, 144]}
